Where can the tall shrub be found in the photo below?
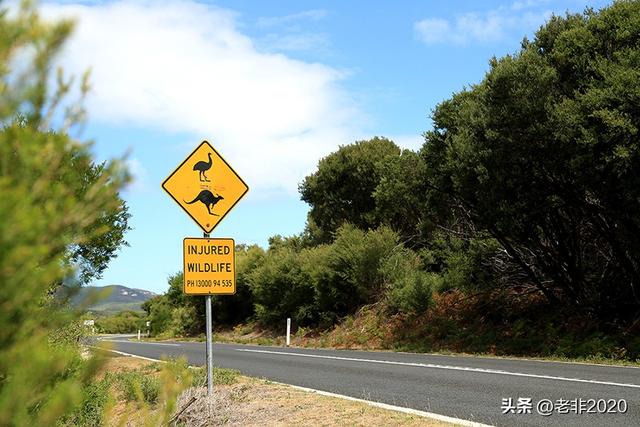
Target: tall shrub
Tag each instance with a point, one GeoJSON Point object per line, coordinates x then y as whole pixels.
{"type": "Point", "coordinates": [47, 208]}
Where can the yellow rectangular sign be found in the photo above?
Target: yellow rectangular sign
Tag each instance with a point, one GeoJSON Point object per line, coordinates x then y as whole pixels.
{"type": "Point", "coordinates": [209, 266]}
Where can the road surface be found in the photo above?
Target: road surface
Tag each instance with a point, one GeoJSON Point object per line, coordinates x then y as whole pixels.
{"type": "Point", "coordinates": [502, 392]}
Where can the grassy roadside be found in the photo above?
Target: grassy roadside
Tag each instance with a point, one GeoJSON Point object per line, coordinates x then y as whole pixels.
{"type": "Point", "coordinates": [326, 340]}
{"type": "Point", "coordinates": [454, 326]}
{"type": "Point", "coordinates": [368, 330]}
{"type": "Point", "coordinates": [315, 339]}
{"type": "Point", "coordinates": [238, 400]}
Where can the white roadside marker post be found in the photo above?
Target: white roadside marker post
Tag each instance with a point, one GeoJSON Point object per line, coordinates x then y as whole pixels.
{"type": "Point", "coordinates": [288, 331]}
{"type": "Point", "coordinates": [138, 334]}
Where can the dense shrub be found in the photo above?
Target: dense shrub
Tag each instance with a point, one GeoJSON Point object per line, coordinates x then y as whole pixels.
{"type": "Point", "coordinates": [177, 314]}
{"type": "Point", "coordinates": [54, 200]}
{"type": "Point", "coordinates": [138, 386]}
{"type": "Point", "coordinates": [356, 266]}
{"type": "Point", "coordinates": [321, 284]}
{"type": "Point", "coordinates": [234, 309]}
{"type": "Point", "coordinates": [95, 399]}
{"type": "Point", "coordinates": [160, 315]}
{"type": "Point", "coordinates": [125, 322]}
{"type": "Point", "coordinates": [282, 287]}
{"type": "Point", "coordinates": [183, 321]}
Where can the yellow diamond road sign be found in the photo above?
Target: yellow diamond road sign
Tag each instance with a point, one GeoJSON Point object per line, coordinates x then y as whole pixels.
{"type": "Point", "coordinates": [205, 186]}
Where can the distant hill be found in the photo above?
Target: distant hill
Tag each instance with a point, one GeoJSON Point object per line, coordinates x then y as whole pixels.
{"type": "Point", "coordinates": [114, 298]}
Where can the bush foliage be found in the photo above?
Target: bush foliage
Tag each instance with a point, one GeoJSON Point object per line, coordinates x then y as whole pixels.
{"type": "Point", "coordinates": [61, 220]}
{"type": "Point", "coordinates": [125, 322]}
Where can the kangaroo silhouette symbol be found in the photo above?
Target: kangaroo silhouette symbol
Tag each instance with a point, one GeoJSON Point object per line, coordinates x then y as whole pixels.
{"type": "Point", "coordinates": [202, 167]}
{"type": "Point", "coordinates": [208, 199]}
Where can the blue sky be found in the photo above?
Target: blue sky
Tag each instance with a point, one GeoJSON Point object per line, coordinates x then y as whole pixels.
{"type": "Point", "coordinates": [274, 86]}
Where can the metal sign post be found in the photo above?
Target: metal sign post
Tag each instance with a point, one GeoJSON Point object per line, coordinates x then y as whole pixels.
{"type": "Point", "coordinates": [207, 188]}
{"type": "Point", "coordinates": [209, 326]}
{"type": "Point", "coordinates": [209, 269]}
{"type": "Point", "coordinates": [209, 347]}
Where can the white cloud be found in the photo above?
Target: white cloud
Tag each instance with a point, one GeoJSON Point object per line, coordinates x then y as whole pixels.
{"type": "Point", "coordinates": [185, 67]}
{"type": "Point", "coordinates": [486, 27]}
{"type": "Point", "coordinates": [432, 30]}
{"type": "Point", "coordinates": [291, 33]}
{"type": "Point", "coordinates": [295, 42]}
{"type": "Point", "coordinates": [312, 15]}
{"type": "Point", "coordinates": [525, 4]}
{"type": "Point", "coordinates": [490, 26]}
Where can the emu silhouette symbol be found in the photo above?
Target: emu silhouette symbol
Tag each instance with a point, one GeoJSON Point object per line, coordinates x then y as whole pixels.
{"type": "Point", "coordinates": [202, 167]}
{"type": "Point", "coordinates": [208, 199]}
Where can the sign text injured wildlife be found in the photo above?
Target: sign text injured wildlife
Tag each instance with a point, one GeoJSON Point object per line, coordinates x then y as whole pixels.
{"type": "Point", "coordinates": [209, 266]}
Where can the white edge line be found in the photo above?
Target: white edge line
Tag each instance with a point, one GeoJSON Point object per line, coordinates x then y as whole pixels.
{"type": "Point", "coordinates": [143, 342]}
{"type": "Point", "coordinates": [127, 354]}
{"type": "Point", "coordinates": [453, 368]}
{"type": "Point", "coordinates": [386, 406]}
{"type": "Point", "coordinates": [138, 357]}
{"type": "Point", "coordinates": [516, 359]}
{"type": "Point", "coordinates": [444, 418]}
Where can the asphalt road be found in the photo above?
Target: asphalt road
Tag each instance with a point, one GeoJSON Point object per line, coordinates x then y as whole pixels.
{"type": "Point", "coordinates": [469, 388]}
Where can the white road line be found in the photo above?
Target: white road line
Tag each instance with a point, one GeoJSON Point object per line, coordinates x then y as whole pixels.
{"type": "Point", "coordinates": [143, 342]}
{"type": "Point", "coordinates": [122, 353]}
{"type": "Point", "coordinates": [453, 368]}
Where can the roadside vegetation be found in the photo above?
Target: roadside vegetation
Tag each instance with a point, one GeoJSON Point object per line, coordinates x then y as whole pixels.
{"type": "Point", "coordinates": [61, 221]}
{"type": "Point", "coordinates": [128, 390]}
{"type": "Point", "coordinates": [514, 230]}
{"type": "Point", "coordinates": [124, 322]}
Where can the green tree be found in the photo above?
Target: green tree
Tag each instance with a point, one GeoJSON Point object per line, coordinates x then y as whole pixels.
{"type": "Point", "coordinates": [342, 189]}
{"type": "Point", "coordinates": [188, 311]}
{"type": "Point", "coordinates": [124, 322]}
{"type": "Point", "coordinates": [353, 271]}
{"type": "Point", "coordinates": [93, 255]}
{"type": "Point", "coordinates": [178, 314]}
{"type": "Point", "coordinates": [543, 155]}
{"type": "Point", "coordinates": [237, 308]}
{"type": "Point", "coordinates": [160, 315]}
{"type": "Point", "coordinates": [99, 239]}
{"type": "Point", "coordinates": [282, 287]}
{"type": "Point", "coordinates": [44, 215]}
{"type": "Point", "coordinates": [28, 101]}
{"type": "Point", "coordinates": [400, 200]}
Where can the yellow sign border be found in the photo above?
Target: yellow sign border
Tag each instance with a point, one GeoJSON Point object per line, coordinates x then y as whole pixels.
{"type": "Point", "coordinates": [183, 208]}
{"type": "Point", "coordinates": [184, 267]}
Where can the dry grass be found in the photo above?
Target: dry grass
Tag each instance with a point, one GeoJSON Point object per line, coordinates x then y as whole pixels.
{"type": "Point", "coordinates": [249, 334]}
{"type": "Point", "coordinates": [255, 402]}
{"type": "Point", "coordinates": [123, 363]}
